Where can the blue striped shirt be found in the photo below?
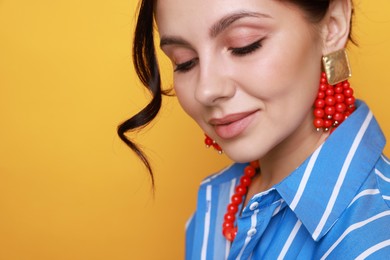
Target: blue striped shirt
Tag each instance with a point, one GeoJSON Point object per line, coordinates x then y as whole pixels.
{"type": "Point", "coordinates": [335, 205]}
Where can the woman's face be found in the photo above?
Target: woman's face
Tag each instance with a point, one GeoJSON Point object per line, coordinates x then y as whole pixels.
{"type": "Point", "coordinates": [246, 71]}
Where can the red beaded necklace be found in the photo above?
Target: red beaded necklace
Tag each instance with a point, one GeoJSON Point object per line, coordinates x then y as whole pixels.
{"type": "Point", "coordinates": [229, 231]}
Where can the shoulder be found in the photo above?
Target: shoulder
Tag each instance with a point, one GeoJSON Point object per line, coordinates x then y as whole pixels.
{"type": "Point", "coordinates": [382, 172]}
{"type": "Point", "coordinates": [362, 231]}
{"type": "Point", "coordinates": [225, 175]}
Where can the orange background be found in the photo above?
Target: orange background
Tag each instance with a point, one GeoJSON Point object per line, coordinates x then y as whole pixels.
{"type": "Point", "coordinates": [69, 189]}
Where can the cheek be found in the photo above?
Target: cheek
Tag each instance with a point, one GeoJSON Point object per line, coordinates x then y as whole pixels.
{"type": "Point", "coordinates": [266, 78]}
{"type": "Point", "coordinates": [292, 74]}
{"type": "Point", "coordinates": [289, 60]}
{"type": "Point", "coordinates": [185, 96]}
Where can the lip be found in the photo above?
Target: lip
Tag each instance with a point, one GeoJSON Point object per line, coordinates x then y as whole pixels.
{"type": "Point", "coordinates": [232, 125]}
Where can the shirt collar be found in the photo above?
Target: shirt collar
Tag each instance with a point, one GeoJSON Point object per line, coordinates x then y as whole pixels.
{"type": "Point", "coordinates": [321, 188]}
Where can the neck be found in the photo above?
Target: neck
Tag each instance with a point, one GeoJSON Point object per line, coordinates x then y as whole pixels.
{"type": "Point", "coordinates": [287, 156]}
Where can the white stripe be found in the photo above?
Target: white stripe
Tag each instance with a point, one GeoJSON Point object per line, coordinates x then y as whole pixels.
{"type": "Point", "coordinates": [189, 221]}
{"type": "Point", "coordinates": [206, 223]}
{"type": "Point", "coordinates": [231, 192]}
{"type": "Point", "coordinates": [384, 159]}
{"type": "Point", "coordinates": [290, 239]}
{"type": "Point", "coordinates": [352, 228]}
{"type": "Point", "coordinates": [263, 193]}
{"type": "Point", "coordinates": [342, 175]}
{"type": "Point", "coordinates": [232, 187]}
{"type": "Point", "coordinates": [365, 193]}
{"type": "Point", "coordinates": [373, 249]}
{"type": "Point", "coordinates": [305, 179]}
{"type": "Point", "coordinates": [277, 210]}
{"type": "Point", "coordinates": [386, 197]}
{"type": "Point", "coordinates": [382, 176]}
{"type": "Point", "coordinates": [248, 238]}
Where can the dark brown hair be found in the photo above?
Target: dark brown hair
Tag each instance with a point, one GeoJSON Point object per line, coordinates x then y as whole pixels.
{"type": "Point", "coordinates": [146, 66]}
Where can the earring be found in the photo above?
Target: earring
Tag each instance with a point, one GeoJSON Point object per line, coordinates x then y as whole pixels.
{"type": "Point", "coordinates": [334, 103]}
{"type": "Point", "coordinates": [210, 142]}
{"type": "Point", "coordinates": [335, 100]}
{"type": "Point", "coordinates": [336, 66]}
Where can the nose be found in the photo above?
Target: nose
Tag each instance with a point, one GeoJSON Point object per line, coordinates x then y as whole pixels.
{"type": "Point", "coordinates": [214, 83]}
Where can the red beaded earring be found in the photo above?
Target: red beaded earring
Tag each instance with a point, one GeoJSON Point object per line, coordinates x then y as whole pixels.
{"type": "Point", "coordinates": [210, 142]}
{"type": "Point", "coordinates": [334, 103]}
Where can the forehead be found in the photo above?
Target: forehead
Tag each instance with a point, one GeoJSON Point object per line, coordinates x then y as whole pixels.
{"type": "Point", "coordinates": [181, 16]}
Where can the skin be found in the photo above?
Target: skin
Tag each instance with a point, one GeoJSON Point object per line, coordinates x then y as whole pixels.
{"type": "Point", "coordinates": [248, 73]}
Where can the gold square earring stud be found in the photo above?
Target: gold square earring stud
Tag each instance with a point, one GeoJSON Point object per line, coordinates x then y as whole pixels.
{"type": "Point", "coordinates": [336, 66]}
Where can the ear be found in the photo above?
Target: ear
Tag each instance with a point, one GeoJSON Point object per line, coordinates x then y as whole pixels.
{"type": "Point", "coordinates": [336, 26]}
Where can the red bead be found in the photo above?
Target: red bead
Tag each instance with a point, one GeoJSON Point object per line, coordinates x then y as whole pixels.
{"type": "Point", "coordinates": [339, 117]}
{"type": "Point", "coordinates": [330, 110]}
{"type": "Point", "coordinates": [348, 92]}
{"type": "Point", "coordinates": [241, 190]}
{"type": "Point", "coordinates": [323, 86]}
{"type": "Point", "coordinates": [208, 141]}
{"type": "Point", "coordinates": [319, 112]}
{"type": "Point", "coordinates": [339, 98]}
{"type": "Point", "coordinates": [329, 92]}
{"type": "Point", "coordinates": [227, 224]}
{"type": "Point", "coordinates": [236, 199]}
{"type": "Point", "coordinates": [346, 84]}
{"type": "Point", "coordinates": [350, 101]}
{"type": "Point", "coordinates": [351, 108]}
{"type": "Point", "coordinates": [232, 208]}
{"type": "Point", "coordinates": [230, 233]}
{"type": "Point", "coordinates": [323, 80]}
{"type": "Point", "coordinates": [318, 123]}
{"type": "Point", "coordinates": [249, 171]}
{"type": "Point", "coordinates": [245, 180]}
{"type": "Point", "coordinates": [330, 101]}
{"type": "Point", "coordinates": [321, 95]}
{"type": "Point", "coordinates": [328, 123]}
{"type": "Point", "coordinates": [338, 89]}
{"type": "Point", "coordinates": [217, 147]}
{"type": "Point", "coordinates": [255, 164]}
{"type": "Point", "coordinates": [229, 217]}
{"type": "Point", "coordinates": [319, 103]}
{"type": "Point", "coordinates": [340, 107]}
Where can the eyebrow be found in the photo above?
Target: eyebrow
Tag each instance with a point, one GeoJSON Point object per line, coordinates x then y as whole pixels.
{"type": "Point", "coordinates": [215, 29]}
{"type": "Point", "coordinates": [226, 21]}
{"type": "Point", "coordinates": [171, 40]}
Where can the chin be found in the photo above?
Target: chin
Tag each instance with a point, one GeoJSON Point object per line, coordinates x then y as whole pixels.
{"type": "Point", "coordinates": [242, 155]}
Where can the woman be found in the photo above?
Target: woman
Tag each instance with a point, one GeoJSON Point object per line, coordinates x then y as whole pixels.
{"type": "Point", "coordinates": [266, 80]}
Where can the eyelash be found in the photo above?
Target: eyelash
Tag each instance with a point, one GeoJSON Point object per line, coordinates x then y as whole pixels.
{"type": "Point", "coordinates": [188, 65]}
{"type": "Point", "coordinates": [246, 49]}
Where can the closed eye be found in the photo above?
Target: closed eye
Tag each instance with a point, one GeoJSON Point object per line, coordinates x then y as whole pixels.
{"type": "Point", "coordinates": [242, 51]}
{"type": "Point", "coordinates": [186, 66]}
